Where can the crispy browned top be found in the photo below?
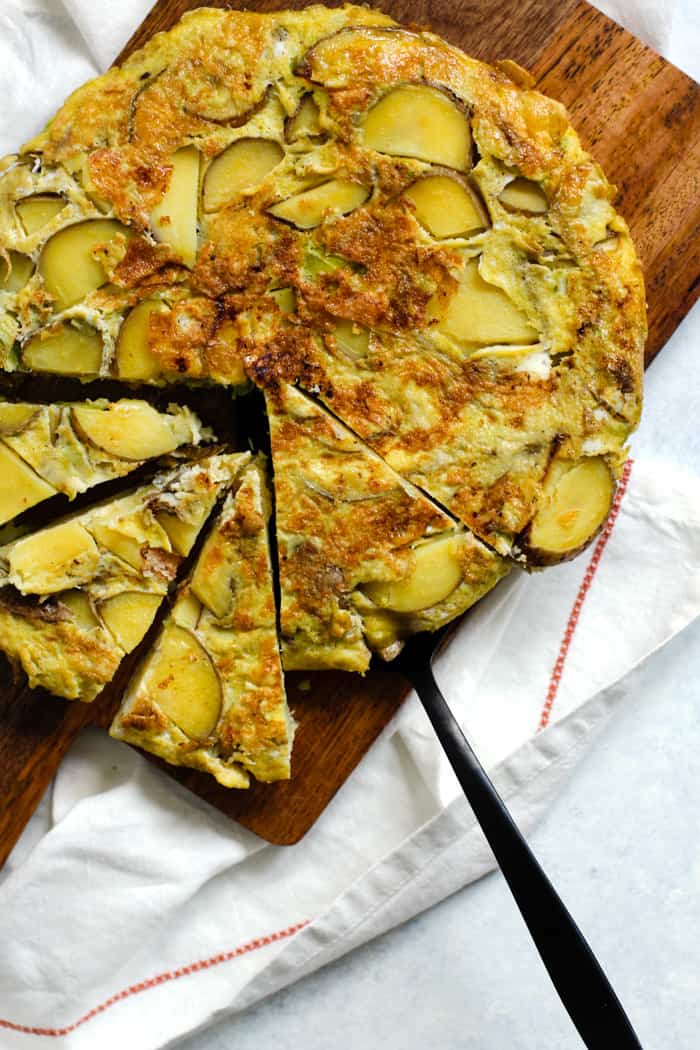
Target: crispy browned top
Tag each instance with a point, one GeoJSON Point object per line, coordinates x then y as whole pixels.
{"type": "Point", "coordinates": [474, 424]}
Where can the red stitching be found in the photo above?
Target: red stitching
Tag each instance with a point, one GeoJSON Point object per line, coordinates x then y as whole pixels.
{"type": "Point", "coordinates": [161, 978]}
{"type": "Point", "coordinates": [572, 623]}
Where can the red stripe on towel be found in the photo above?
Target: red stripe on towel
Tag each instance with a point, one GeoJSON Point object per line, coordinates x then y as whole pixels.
{"type": "Point", "coordinates": [161, 978]}
{"type": "Point", "coordinates": [572, 623]}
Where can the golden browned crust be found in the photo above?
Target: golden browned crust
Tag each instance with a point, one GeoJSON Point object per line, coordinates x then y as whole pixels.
{"type": "Point", "coordinates": [357, 306]}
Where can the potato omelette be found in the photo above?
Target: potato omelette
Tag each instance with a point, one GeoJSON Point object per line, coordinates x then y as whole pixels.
{"type": "Point", "coordinates": [405, 254]}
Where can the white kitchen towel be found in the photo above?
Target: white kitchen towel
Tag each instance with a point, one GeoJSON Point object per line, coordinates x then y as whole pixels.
{"type": "Point", "coordinates": [131, 913]}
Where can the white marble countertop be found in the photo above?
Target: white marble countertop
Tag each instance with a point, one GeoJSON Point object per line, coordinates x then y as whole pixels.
{"type": "Point", "coordinates": [621, 844]}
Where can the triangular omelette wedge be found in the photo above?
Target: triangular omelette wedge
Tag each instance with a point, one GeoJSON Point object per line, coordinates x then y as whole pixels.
{"type": "Point", "coordinates": [77, 596]}
{"type": "Point", "coordinates": [210, 694]}
{"type": "Point", "coordinates": [69, 448]}
{"type": "Point", "coordinates": [365, 559]}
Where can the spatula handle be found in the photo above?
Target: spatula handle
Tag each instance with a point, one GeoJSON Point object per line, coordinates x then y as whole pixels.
{"type": "Point", "coordinates": [575, 972]}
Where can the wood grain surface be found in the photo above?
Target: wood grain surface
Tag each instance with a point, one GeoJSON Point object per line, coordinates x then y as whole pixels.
{"type": "Point", "coordinates": [640, 117]}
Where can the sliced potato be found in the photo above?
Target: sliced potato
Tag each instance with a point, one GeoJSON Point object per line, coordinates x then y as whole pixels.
{"type": "Point", "coordinates": [174, 220]}
{"type": "Point", "coordinates": [180, 678]}
{"type": "Point", "coordinates": [306, 121]}
{"type": "Point", "coordinates": [129, 429]}
{"type": "Point", "coordinates": [285, 298]}
{"type": "Point", "coordinates": [14, 418]}
{"type": "Point", "coordinates": [127, 616]}
{"type": "Point", "coordinates": [20, 487]}
{"type": "Point", "coordinates": [214, 98]}
{"type": "Point", "coordinates": [15, 275]}
{"type": "Point", "coordinates": [187, 610]}
{"type": "Point", "coordinates": [181, 534]}
{"type": "Point", "coordinates": [479, 314]}
{"type": "Point", "coordinates": [79, 167]}
{"type": "Point", "coordinates": [524, 195]}
{"type": "Point", "coordinates": [37, 211]}
{"type": "Point", "coordinates": [79, 605]}
{"type": "Point", "coordinates": [242, 166]}
{"type": "Point", "coordinates": [211, 580]}
{"type": "Point", "coordinates": [308, 209]}
{"type": "Point", "coordinates": [576, 500]}
{"type": "Point", "coordinates": [436, 571]}
{"type": "Point", "coordinates": [446, 207]}
{"type": "Point", "coordinates": [67, 264]}
{"type": "Point", "coordinates": [69, 349]}
{"type": "Point", "coordinates": [55, 559]}
{"type": "Point", "coordinates": [352, 338]}
{"type": "Point", "coordinates": [415, 120]}
{"type": "Point", "coordinates": [134, 359]}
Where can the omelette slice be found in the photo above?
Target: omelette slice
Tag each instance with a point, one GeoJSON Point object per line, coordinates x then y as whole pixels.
{"type": "Point", "coordinates": [77, 596]}
{"type": "Point", "coordinates": [365, 559]}
{"type": "Point", "coordinates": [68, 448]}
{"type": "Point", "coordinates": [210, 694]}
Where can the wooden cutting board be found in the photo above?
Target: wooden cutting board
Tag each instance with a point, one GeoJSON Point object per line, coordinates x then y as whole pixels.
{"type": "Point", "coordinates": [640, 117]}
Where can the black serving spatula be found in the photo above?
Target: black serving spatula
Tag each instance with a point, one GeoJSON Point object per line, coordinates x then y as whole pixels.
{"type": "Point", "coordinates": [575, 972]}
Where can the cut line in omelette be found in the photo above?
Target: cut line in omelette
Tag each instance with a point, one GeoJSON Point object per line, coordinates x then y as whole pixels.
{"type": "Point", "coordinates": [77, 596]}
{"type": "Point", "coordinates": [210, 693]}
{"type": "Point", "coordinates": [365, 559]}
{"type": "Point", "coordinates": [71, 447]}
